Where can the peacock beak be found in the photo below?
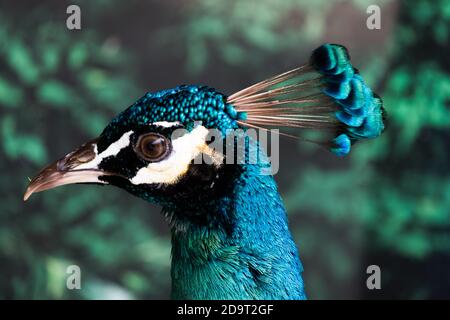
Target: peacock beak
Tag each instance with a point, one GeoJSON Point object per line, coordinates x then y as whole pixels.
{"type": "Point", "coordinates": [73, 168]}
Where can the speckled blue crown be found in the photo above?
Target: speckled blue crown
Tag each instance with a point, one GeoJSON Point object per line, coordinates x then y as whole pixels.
{"type": "Point", "coordinates": [185, 104]}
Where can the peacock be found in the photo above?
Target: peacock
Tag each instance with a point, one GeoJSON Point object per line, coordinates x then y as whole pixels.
{"type": "Point", "coordinates": [229, 228]}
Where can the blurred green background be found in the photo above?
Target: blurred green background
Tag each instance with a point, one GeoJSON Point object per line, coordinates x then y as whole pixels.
{"type": "Point", "coordinates": [388, 203]}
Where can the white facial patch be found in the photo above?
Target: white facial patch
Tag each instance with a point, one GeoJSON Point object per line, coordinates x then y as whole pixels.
{"type": "Point", "coordinates": [112, 150]}
{"type": "Point", "coordinates": [166, 124]}
{"type": "Point", "coordinates": [184, 150]}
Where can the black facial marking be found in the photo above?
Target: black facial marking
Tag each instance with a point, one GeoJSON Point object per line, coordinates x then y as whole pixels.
{"type": "Point", "coordinates": [127, 163]}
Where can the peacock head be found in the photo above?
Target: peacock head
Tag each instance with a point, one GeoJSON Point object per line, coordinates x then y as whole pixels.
{"type": "Point", "coordinates": [150, 149]}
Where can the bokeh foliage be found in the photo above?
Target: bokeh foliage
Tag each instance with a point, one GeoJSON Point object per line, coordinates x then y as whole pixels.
{"type": "Point", "coordinates": [386, 204]}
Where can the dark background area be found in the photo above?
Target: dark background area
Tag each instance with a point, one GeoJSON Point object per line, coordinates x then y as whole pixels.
{"type": "Point", "coordinates": [385, 204]}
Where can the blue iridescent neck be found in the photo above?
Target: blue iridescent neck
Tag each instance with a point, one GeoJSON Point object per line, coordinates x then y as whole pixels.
{"type": "Point", "coordinates": [250, 254]}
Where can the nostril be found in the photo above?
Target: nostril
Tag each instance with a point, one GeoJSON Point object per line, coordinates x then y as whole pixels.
{"type": "Point", "coordinates": [85, 156]}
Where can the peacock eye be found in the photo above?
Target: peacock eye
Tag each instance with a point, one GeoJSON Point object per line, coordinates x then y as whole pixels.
{"type": "Point", "coordinates": [152, 146]}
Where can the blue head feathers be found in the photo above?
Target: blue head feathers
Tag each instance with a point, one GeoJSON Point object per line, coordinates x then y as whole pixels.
{"type": "Point", "coordinates": [184, 104]}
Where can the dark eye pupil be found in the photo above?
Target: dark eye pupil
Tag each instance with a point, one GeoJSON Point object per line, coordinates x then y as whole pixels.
{"type": "Point", "coordinates": [152, 146]}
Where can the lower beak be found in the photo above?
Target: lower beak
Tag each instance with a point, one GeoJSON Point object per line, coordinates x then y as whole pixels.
{"type": "Point", "coordinates": [77, 167]}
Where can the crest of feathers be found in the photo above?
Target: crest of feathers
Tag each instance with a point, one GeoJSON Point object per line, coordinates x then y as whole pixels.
{"type": "Point", "coordinates": [327, 93]}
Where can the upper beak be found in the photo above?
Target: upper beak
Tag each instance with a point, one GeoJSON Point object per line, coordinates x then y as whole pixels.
{"type": "Point", "coordinates": [77, 167]}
